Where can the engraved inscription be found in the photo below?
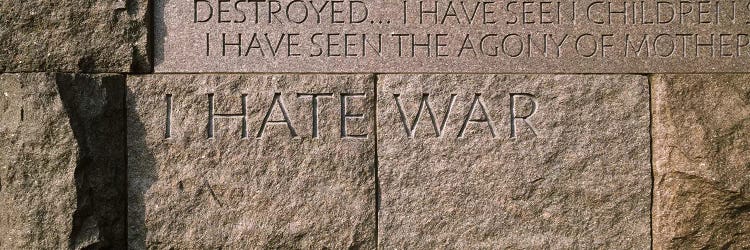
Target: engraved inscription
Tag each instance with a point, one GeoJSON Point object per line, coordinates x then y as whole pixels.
{"type": "Point", "coordinates": [277, 113]}
{"type": "Point", "coordinates": [478, 116]}
{"type": "Point", "coordinates": [453, 36]}
{"type": "Point", "coordinates": [437, 114]}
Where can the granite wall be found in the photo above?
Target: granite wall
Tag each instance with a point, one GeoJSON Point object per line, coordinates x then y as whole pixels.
{"type": "Point", "coordinates": [99, 152]}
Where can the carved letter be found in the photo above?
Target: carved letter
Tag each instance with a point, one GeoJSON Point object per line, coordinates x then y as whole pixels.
{"type": "Point", "coordinates": [345, 115]}
{"type": "Point", "coordinates": [168, 127]}
{"type": "Point", "coordinates": [363, 7]}
{"type": "Point", "coordinates": [195, 11]}
{"type": "Point", "coordinates": [212, 116]}
{"type": "Point", "coordinates": [485, 116]}
{"type": "Point", "coordinates": [315, 98]}
{"type": "Point", "coordinates": [410, 130]}
{"type": "Point", "coordinates": [267, 119]}
{"type": "Point", "coordinates": [513, 116]}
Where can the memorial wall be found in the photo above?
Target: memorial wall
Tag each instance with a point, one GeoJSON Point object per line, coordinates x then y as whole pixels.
{"type": "Point", "coordinates": [354, 124]}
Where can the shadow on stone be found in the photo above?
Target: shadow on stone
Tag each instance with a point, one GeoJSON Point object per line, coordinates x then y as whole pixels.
{"type": "Point", "coordinates": [95, 107]}
{"type": "Point", "coordinates": [158, 32]}
{"type": "Point", "coordinates": [142, 56]}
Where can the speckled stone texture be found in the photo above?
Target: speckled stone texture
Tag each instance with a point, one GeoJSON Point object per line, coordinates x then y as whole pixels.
{"type": "Point", "coordinates": [580, 179]}
{"type": "Point", "coordinates": [701, 130]}
{"type": "Point", "coordinates": [74, 36]}
{"type": "Point", "coordinates": [449, 36]}
{"type": "Point", "coordinates": [265, 188]}
{"type": "Point", "coordinates": [62, 161]}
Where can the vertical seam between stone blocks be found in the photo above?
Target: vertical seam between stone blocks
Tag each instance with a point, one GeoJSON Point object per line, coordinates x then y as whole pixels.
{"type": "Point", "coordinates": [651, 154]}
{"type": "Point", "coordinates": [377, 163]}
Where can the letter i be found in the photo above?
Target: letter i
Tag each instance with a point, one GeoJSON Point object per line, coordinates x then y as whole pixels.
{"type": "Point", "coordinates": [208, 45]}
{"type": "Point", "coordinates": [404, 13]}
{"type": "Point", "coordinates": [168, 120]}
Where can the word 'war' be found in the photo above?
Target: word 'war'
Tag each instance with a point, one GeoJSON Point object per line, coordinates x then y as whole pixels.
{"type": "Point", "coordinates": [478, 116]}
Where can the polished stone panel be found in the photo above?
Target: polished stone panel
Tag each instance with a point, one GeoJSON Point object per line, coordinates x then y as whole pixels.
{"type": "Point", "coordinates": [422, 36]}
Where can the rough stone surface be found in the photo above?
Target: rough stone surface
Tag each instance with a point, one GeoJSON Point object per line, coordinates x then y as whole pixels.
{"type": "Point", "coordinates": [74, 36]}
{"type": "Point", "coordinates": [62, 161]}
{"type": "Point", "coordinates": [701, 131]}
{"type": "Point", "coordinates": [269, 191]}
{"type": "Point", "coordinates": [580, 179]}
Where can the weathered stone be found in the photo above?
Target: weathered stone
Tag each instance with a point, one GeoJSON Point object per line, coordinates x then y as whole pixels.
{"type": "Point", "coordinates": [62, 161]}
{"type": "Point", "coordinates": [445, 36]}
{"type": "Point", "coordinates": [701, 142]}
{"type": "Point", "coordinates": [266, 187]}
{"type": "Point", "coordinates": [571, 171]}
{"type": "Point", "coordinates": [74, 36]}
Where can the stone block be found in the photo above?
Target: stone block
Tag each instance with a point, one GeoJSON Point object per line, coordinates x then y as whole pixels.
{"type": "Point", "coordinates": [62, 161]}
{"type": "Point", "coordinates": [75, 36]}
{"type": "Point", "coordinates": [701, 143]}
{"type": "Point", "coordinates": [251, 161]}
{"type": "Point", "coordinates": [513, 161]}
